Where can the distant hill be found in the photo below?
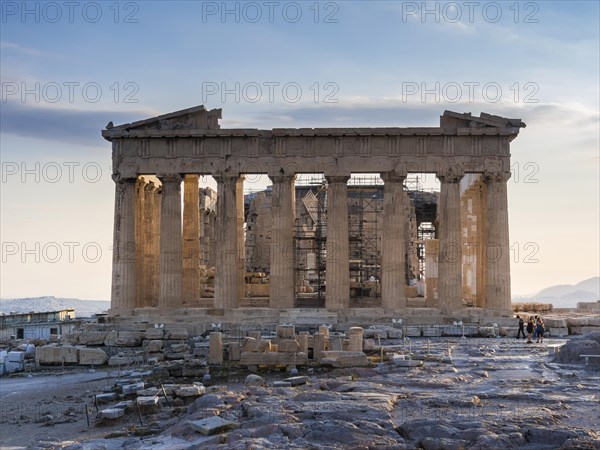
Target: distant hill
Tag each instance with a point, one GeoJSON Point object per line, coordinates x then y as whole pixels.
{"type": "Point", "coordinates": [567, 295]}
{"type": "Point", "coordinates": [83, 308]}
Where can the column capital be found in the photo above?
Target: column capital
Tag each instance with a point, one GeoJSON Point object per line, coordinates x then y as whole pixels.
{"type": "Point", "coordinates": [150, 186]}
{"type": "Point", "coordinates": [282, 178]}
{"type": "Point", "coordinates": [118, 178]}
{"type": "Point", "coordinates": [170, 177]}
{"type": "Point", "coordinates": [496, 176]}
{"type": "Point", "coordinates": [392, 177]}
{"type": "Point", "coordinates": [341, 179]}
{"type": "Point", "coordinates": [223, 177]}
{"type": "Point", "coordinates": [451, 175]}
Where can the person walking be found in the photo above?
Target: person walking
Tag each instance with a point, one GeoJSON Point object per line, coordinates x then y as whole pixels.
{"type": "Point", "coordinates": [521, 327]}
{"type": "Point", "coordinates": [530, 328]}
{"type": "Point", "coordinates": [539, 328]}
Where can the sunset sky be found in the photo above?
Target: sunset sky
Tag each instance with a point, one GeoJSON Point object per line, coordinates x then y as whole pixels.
{"type": "Point", "coordinates": [68, 68]}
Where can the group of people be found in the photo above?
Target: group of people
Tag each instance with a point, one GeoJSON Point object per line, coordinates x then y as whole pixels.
{"type": "Point", "coordinates": [534, 327]}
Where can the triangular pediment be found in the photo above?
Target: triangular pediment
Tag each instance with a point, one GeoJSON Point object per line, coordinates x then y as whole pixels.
{"type": "Point", "coordinates": [452, 119]}
{"type": "Point", "coordinates": [196, 118]}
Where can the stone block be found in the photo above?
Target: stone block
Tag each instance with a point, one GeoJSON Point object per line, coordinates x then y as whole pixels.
{"type": "Point", "coordinates": [215, 355]}
{"type": "Point", "coordinates": [154, 345]}
{"type": "Point", "coordinates": [234, 351]}
{"type": "Point", "coordinates": [254, 381]}
{"type": "Point", "coordinates": [147, 401]}
{"type": "Point", "coordinates": [153, 333]}
{"type": "Point", "coordinates": [211, 425]}
{"type": "Point", "coordinates": [297, 381]}
{"type": "Point", "coordinates": [112, 413]}
{"type": "Point", "coordinates": [282, 384]}
{"type": "Point", "coordinates": [195, 371]}
{"type": "Point", "coordinates": [179, 348]}
{"type": "Point", "coordinates": [250, 344]}
{"type": "Point", "coordinates": [128, 339]}
{"type": "Point", "coordinates": [273, 359]}
{"type": "Point", "coordinates": [92, 356]}
{"type": "Point", "coordinates": [57, 355]}
{"type": "Point", "coordinates": [190, 391]}
{"type": "Point", "coordinates": [106, 397]}
{"type": "Point", "coordinates": [286, 331]}
{"type": "Point", "coordinates": [92, 337]}
{"type": "Point", "coordinates": [177, 333]}
{"type": "Point", "coordinates": [345, 359]}
{"type": "Point", "coordinates": [394, 333]}
{"type": "Point", "coordinates": [129, 389]}
{"type": "Point", "coordinates": [148, 392]}
{"type": "Point", "coordinates": [288, 345]}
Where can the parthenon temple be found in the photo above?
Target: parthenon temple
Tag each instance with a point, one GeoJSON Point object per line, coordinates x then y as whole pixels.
{"type": "Point", "coordinates": [345, 228]}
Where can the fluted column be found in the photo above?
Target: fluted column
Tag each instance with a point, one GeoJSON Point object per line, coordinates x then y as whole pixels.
{"type": "Point", "coordinates": [283, 206]}
{"type": "Point", "coordinates": [150, 252]}
{"type": "Point", "coordinates": [124, 269]}
{"type": "Point", "coordinates": [337, 289]}
{"type": "Point", "coordinates": [226, 242]}
{"type": "Point", "coordinates": [241, 247]}
{"type": "Point", "coordinates": [191, 239]}
{"type": "Point", "coordinates": [450, 257]}
{"type": "Point", "coordinates": [171, 261]}
{"type": "Point", "coordinates": [497, 254]}
{"type": "Point", "coordinates": [139, 239]}
{"type": "Point", "coordinates": [393, 245]}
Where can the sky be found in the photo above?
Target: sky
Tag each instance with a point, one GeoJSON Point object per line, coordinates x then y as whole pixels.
{"type": "Point", "coordinates": [68, 68]}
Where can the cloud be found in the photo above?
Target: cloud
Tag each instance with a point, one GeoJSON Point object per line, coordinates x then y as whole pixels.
{"type": "Point", "coordinates": [73, 126]}
{"type": "Point", "coordinates": [4, 45]}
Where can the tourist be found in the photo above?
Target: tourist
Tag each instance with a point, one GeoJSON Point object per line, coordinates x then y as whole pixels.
{"type": "Point", "coordinates": [535, 319]}
{"type": "Point", "coordinates": [521, 327]}
{"type": "Point", "coordinates": [530, 327]}
{"type": "Point", "coordinates": [539, 328]}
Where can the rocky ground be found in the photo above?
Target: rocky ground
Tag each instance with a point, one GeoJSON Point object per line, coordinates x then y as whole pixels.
{"type": "Point", "coordinates": [491, 393]}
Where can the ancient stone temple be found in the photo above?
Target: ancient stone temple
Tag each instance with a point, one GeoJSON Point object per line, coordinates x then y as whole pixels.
{"type": "Point", "coordinates": [165, 252]}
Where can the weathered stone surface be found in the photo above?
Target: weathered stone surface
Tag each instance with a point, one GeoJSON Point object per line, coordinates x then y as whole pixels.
{"type": "Point", "coordinates": [179, 348]}
{"type": "Point", "coordinates": [129, 389]}
{"type": "Point", "coordinates": [297, 381]}
{"type": "Point", "coordinates": [147, 400]}
{"type": "Point", "coordinates": [50, 354]}
{"type": "Point", "coordinates": [273, 359]}
{"type": "Point", "coordinates": [154, 345]}
{"type": "Point", "coordinates": [587, 344]}
{"type": "Point", "coordinates": [250, 344]}
{"type": "Point", "coordinates": [190, 391]}
{"type": "Point", "coordinates": [177, 333]}
{"type": "Point", "coordinates": [288, 345]}
{"type": "Point", "coordinates": [124, 360]}
{"type": "Point", "coordinates": [254, 380]}
{"type": "Point", "coordinates": [153, 333]}
{"type": "Point", "coordinates": [212, 425]}
{"type": "Point", "coordinates": [112, 413]}
{"type": "Point", "coordinates": [345, 359]}
{"type": "Point", "coordinates": [128, 339]}
{"type": "Point", "coordinates": [215, 355]}
{"type": "Point", "coordinates": [87, 337]}
{"type": "Point", "coordinates": [92, 356]}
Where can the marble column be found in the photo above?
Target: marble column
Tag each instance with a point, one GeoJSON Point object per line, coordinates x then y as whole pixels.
{"type": "Point", "coordinates": [191, 240]}
{"type": "Point", "coordinates": [283, 206]}
{"type": "Point", "coordinates": [241, 247]}
{"type": "Point", "coordinates": [124, 269]}
{"type": "Point", "coordinates": [393, 245]}
{"type": "Point", "coordinates": [450, 257]}
{"type": "Point", "coordinates": [227, 274]}
{"type": "Point", "coordinates": [337, 277]}
{"type": "Point", "coordinates": [497, 248]}
{"type": "Point", "coordinates": [139, 239]}
{"type": "Point", "coordinates": [150, 252]}
{"type": "Point", "coordinates": [171, 261]}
